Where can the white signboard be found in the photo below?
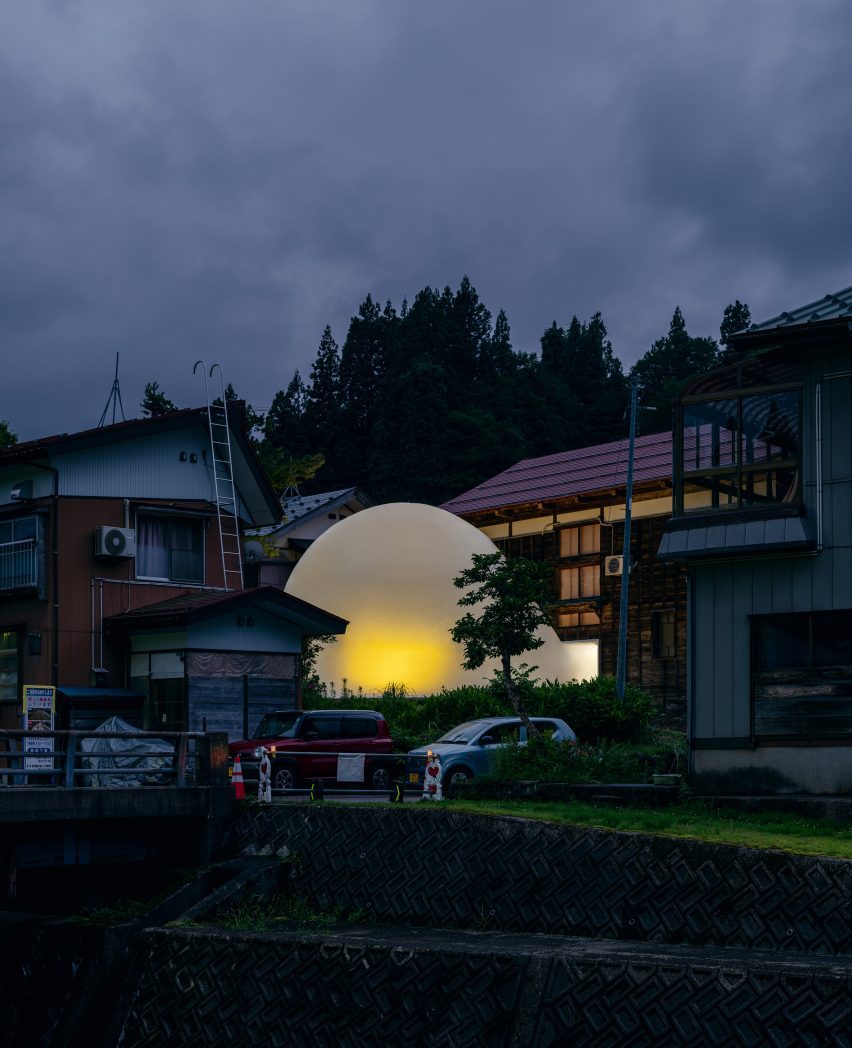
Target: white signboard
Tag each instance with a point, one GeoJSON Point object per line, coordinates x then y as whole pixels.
{"type": "Point", "coordinates": [350, 767]}
{"type": "Point", "coordinates": [39, 707]}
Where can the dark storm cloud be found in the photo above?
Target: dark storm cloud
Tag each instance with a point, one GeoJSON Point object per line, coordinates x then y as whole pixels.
{"type": "Point", "coordinates": [191, 179]}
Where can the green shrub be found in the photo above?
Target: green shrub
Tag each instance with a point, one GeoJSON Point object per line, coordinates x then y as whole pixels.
{"type": "Point", "coordinates": [544, 760]}
{"type": "Point", "coordinates": [593, 710]}
{"type": "Point", "coordinates": [590, 707]}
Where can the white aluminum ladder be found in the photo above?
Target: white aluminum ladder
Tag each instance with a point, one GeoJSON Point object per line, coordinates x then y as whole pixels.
{"type": "Point", "coordinates": [223, 483]}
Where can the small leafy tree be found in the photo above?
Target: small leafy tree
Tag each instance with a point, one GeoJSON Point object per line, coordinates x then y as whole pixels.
{"type": "Point", "coordinates": [512, 594]}
{"type": "Point", "coordinates": [7, 437]}
{"type": "Point", "coordinates": [155, 402]}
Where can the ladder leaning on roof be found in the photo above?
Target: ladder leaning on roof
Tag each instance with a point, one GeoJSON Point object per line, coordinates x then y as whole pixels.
{"type": "Point", "coordinates": [223, 483]}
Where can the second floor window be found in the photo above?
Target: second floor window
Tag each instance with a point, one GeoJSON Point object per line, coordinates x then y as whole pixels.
{"type": "Point", "coordinates": [581, 582]}
{"type": "Point", "coordinates": [740, 449]}
{"type": "Point", "coordinates": [19, 553]}
{"type": "Point", "coordinates": [170, 549]}
{"type": "Point", "coordinates": [580, 540]}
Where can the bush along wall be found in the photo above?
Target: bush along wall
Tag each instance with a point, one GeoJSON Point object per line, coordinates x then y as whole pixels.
{"type": "Point", "coordinates": [591, 707]}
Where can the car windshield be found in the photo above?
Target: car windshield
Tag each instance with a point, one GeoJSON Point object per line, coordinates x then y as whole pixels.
{"type": "Point", "coordinates": [464, 732]}
{"type": "Point", "coordinates": [278, 725]}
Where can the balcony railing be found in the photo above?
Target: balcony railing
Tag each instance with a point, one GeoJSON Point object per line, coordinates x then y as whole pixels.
{"type": "Point", "coordinates": [19, 564]}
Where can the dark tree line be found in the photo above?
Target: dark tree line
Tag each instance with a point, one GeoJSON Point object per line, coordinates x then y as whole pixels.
{"type": "Point", "coordinates": [424, 402]}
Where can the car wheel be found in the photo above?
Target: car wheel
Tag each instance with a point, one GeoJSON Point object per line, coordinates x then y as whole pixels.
{"type": "Point", "coordinates": [456, 777]}
{"type": "Point", "coordinates": [381, 778]}
{"type": "Point", "coordinates": [283, 777]}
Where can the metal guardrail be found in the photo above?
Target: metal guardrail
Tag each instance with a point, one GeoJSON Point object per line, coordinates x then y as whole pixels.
{"type": "Point", "coordinates": [403, 765]}
{"type": "Point", "coordinates": [196, 759]}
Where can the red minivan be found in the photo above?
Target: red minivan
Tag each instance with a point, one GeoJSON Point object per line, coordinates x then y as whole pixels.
{"type": "Point", "coordinates": [304, 745]}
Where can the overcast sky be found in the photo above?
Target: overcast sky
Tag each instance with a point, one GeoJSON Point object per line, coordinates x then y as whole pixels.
{"type": "Point", "coordinates": [184, 179]}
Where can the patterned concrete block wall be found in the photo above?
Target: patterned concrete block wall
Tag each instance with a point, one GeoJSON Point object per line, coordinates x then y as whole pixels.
{"type": "Point", "coordinates": [433, 867]}
{"type": "Point", "coordinates": [362, 988]}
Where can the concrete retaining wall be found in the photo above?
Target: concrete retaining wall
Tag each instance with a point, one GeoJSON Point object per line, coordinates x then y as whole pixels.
{"type": "Point", "coordinates": [429, 866]}
{"type": "Point", "coordinates": [361, 987]}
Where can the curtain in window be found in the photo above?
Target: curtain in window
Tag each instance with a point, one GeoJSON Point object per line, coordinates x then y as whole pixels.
{"type": "Point", "coordinates": [152, 550]}
{"type": "Point", "coordinates": [187, 548]}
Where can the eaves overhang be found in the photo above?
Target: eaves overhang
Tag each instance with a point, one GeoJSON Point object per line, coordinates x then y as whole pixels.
{"type": "Point", "coordinates": [776, 535]}
{"type": "Point", "coordinates": [192, 608]}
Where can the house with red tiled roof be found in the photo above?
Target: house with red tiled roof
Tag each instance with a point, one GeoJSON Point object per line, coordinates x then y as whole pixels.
{"type": "Point", "coordinates": [121, 577]}
{"type": "Point", "coordinates": [568, 509]}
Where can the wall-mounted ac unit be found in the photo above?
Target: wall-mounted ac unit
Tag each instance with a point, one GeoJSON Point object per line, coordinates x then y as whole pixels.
{"type": "Point", "coordinates": [614, 566]}
{"type": "Point", "coordinates": [115, 542]}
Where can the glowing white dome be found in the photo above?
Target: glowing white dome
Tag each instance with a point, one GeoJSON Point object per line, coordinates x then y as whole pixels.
{"type": "Point", "coordinates": [389, 570]}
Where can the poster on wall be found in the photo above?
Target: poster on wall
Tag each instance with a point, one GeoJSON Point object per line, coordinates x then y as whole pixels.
{"type": "Point", "coordinates": [39, 709]}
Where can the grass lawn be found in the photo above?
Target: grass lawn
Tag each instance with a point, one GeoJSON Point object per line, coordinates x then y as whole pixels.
{"type": "Point", "coordinates": [693, 821]}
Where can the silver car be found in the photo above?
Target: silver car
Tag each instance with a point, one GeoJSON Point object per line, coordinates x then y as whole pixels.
{"type": "Point", "coordinates": [468, 749]}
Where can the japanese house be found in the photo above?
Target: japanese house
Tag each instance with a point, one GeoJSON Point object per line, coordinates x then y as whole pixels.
{"type": "Point", "coordinates": [304, 518]}
{"type": "Point", "coordinates": [568, 509]}
{"type": "Point", "coordinates": [763, 522]}
{"type": "Point", "coordinates": [121, 553]}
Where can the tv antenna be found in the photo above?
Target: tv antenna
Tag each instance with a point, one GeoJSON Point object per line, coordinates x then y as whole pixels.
{"type": "Point", "coordinates": [114, 399]}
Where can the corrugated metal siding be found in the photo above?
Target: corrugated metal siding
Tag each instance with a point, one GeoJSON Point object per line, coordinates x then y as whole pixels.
{"type": "Point", "coordinates": [268, 634]}
{"type": "Point", "coordinates": [112, 583]}
{"type": "Point", "coordinates": [141, 468]}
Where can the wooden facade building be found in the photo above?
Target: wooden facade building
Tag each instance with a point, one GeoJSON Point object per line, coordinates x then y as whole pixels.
{"type": "Point", "coordinates": [568, 510]}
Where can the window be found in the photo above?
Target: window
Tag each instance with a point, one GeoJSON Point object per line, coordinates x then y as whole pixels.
{"type": "Point", "coordinates": [170, 548]}
{"type": "Point", "coordinates": [18, 553]}
{"type": "Point", "coordinates": [325, 727]}
{"type": "Point", "coordinates": [581, 582]}
{"type": "Point", "coordinates": [664, 634]}
{"type": "Point", "coordinates": [802, 674]}
{"type": "Point", "coordinates": [10, 665]}
{"type": "Point", "coordinates": [530, 547]}
{"type": "Point", "coordinates": [580, 540]}
{"type": "Point", "coordinates": [360, 727]}
{"type": "Point", "coordinates": [741, 450]}
{"type": "Point", "coordinates": [574, 620]}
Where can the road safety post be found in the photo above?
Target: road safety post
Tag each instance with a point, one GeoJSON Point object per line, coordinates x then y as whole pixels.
{"type": "Point", "coordinates": [432, 790]}
{"type": "Point", "coordinates": [237, 780]}
{"type": "Point", "coordinates": [264, 782]}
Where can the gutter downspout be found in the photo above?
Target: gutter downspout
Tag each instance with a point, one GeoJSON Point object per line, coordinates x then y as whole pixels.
{"type": "Point", "coordinates": [818, 463]}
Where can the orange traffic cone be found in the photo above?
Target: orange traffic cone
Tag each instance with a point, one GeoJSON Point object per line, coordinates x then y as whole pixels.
{"type": "Point", "coordinates": [237, 781]}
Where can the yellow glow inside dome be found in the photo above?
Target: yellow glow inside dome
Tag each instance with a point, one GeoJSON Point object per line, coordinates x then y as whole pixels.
{"type": "Point", "coordinates": [389, 570]}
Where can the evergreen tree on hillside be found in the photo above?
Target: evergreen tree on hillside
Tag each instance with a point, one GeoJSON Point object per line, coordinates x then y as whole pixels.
{"type": "Point", "coordinates": [497, 358]}
{"type": "Point", "coordinates": [363, 366]}
{"type": "Point", "coordinates": [322, 417]}
{"type": "Point", "coordinates": [582, 384]}
{"type": "Point", "coordinates": [408, 459]}
{"type": "Point", "coordinates": [671, 362]}
{"type": "Point", "coordinates": [737, 317]}
{"type": "Point", "coordinates": [283, 430]}
{"type": "Point", "coordinates": [254, 420]}
{"type": "Point", "coordinates": [468, 332]}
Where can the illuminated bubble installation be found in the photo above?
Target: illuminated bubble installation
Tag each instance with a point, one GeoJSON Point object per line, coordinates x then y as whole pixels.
{"type": "Point", "coordinates": [389, 570]}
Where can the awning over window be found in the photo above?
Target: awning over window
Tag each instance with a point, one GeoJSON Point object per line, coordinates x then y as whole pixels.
{"type": "Point", "coordinates": [732, 539]}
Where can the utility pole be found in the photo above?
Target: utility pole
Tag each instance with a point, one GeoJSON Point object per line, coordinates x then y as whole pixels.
{"type": "Point", "coordinates": [621, 665]}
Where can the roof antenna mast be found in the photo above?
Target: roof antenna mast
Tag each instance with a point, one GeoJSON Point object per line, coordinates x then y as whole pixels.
{"type": "Point", "coordinates": [114, 399]}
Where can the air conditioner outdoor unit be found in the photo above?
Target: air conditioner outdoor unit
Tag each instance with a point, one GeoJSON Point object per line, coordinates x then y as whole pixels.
{"type": "Point", "coordinates": [115, 542]}
{"type": "Point", "coordinates": [614, 566]}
